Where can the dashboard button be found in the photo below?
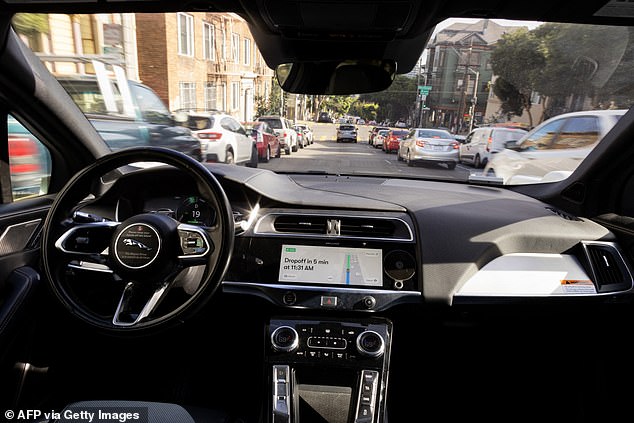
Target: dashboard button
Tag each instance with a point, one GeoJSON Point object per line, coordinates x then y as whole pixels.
{"type": "Point", "coordinates": [328, 301]}
{"type": "Point", "coordinates": [284, 339]}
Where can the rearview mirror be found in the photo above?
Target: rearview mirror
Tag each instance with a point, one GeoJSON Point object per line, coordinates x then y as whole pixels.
{"type": "Point", "coordinates": [336, 77]}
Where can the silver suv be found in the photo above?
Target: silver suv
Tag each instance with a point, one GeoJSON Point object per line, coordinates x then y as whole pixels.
{"type": "Point", "coordinates": [346, 132]}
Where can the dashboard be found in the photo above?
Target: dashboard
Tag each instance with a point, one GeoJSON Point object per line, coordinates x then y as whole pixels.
{"type": "Point", "coordinates": [367, 244]}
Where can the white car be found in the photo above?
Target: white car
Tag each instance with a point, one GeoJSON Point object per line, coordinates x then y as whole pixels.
{"type": "Point", "coordinates": [553, 149]}
{"type": "Point", "coordinates": [308, 133]}
{"type": "Point", "coordinates": [379, 138]}
{"type": "Point", "coordinates": [482, 143]}
{"type": "Point", "coordinates": [222, 138]}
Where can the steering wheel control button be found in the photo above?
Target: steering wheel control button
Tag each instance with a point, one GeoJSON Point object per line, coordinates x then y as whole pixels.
{"type": "Point", "coordinates": [284, 339]}
{"type": "Point", "coordinates": [370, 344]}
{"type": "Point", "coordinates": [328, 301]}
{"type": "Point", "coordinates": [192, 243]}
{"type": "Point", "coordinates": [137, 246]}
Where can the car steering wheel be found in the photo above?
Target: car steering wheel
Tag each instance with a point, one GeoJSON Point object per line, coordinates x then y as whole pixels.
{"type": "Point", "coordinates": [136, 261]}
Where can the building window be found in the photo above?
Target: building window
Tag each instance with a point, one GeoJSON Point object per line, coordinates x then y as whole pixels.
{"type": "Point", "coordinates": [185, 34]}
{"type": "Point", "coordinates": [209, 41]}
{"type": "Point", "coordinates": [247, 51]}
{"type": "Point", "coordinates": [210, 96]}
{"type": "Point", "coordinates": [187, 93]}
{"type": "Point", "coordinates": [235, 95]}
{"type": "Point", "coordinates": [235, 47]}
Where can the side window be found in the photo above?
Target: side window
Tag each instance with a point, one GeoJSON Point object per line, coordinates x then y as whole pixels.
{"type": "Point", "coordinates": [469, 138]}
{"type": "Point", "coordinates": [238, 128]}
{"type": "Point", "coordinates": [542, 138]}
{"type": "Point", "coordinates": [29, 162]}
{"type": "Point", "coordinates": [578, 132]}
{"type": "Point", "coordinates": [226, 124]}
{"type": "Point", "coordinates": [150, 105]}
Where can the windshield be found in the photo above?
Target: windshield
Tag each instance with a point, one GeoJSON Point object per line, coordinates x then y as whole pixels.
{"type": "Point", "coordinates": [564, 86]}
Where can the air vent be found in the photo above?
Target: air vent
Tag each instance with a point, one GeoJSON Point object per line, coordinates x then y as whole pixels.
{"type": "Point", "coordinates": [608, 268]}
{"type": "Point", "coordinates": [300, 224]}
{"type": "Point", "coordinates": [335, 226]}
{"type": "Point", "coordinates": [360, 227]}
{"type": "Point", "coordinates": [563, 214]}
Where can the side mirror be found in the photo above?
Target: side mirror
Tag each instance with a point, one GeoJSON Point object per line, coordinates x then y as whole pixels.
{"type": "Point", "coordinates": [512, 145]}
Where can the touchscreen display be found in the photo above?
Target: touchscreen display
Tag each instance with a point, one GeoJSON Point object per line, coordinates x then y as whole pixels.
{"type": "Point", "coordinates": [332, 265]}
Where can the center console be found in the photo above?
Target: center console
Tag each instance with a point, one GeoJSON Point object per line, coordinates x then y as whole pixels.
{"type": "Point", "coordinates": [327, 371]}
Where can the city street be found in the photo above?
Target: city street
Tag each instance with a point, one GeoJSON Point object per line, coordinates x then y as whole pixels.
{"type": "Point", "coordinates": [326, 155]}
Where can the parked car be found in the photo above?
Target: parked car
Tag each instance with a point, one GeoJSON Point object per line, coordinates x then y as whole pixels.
{"type": "Point", "coordinates": [305, 129]}
{"type": "Point", "coordinates": [133, 117]}
{"type": "Point", "coordinates": [265, 139]}
{"type": "Point", "coordinates": [374, 131]}
{"type": "Point", "coordinates": [553, 149]}
{"type": "Point", "coordinates": [483, 142]}
{"type": "Point", "coordinates": [393, 140]}
{"type": "Point", "coordinates": [380, 138]}
{"type": "Point", "coordinates": [284, 130]}
{"type": "Point", "coordinates": [324, 117]}
{"type": "Point", "coordinates": [223, 139]}
{"type": "Point", "coordinates": [346, 132]}
{"type": "Point", "coordinates": [423, 145]}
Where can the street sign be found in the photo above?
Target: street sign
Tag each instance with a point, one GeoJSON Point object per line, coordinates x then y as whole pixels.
{"type": "Point", "coordinates": [424, 89]}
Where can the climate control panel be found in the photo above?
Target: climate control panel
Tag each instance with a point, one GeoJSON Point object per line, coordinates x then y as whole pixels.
{"type": "Point", "coordinates": [346, 343]}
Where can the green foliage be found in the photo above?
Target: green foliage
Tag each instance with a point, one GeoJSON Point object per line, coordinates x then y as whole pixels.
{"type": "Point", "coordinates": [30, 23]}
{"type": "Point", "coordinates": [512, 100]}
{"type": "Point", "coordinates": [338, 104]}
{"type": "Point", "coordinates": [397, 102]}
{"type": "Point", "coordinates": [367, 111]}
{"type": "Point", "coordinates": [271, 105]}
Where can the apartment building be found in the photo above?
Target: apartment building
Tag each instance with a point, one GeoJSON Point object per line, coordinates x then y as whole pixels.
{"type": "Point", "coordinates": [204, 61]}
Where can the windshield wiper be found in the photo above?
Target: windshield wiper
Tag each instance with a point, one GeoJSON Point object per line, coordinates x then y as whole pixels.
{"type": "Point", "coordinates": [486, 179]}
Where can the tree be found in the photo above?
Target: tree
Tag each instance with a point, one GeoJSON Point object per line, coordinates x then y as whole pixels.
{"type": "Point", "coordinates": [518, 59]}
{"type": "Point", "coordinates": [31, 26]}
{"type": "Point", "coordinates": [270, 105]}
{"type": "Point", "coordinates": [338, 104]}
{"type": "Point", "coordinates": [397, 102]}
{"type": "Point", "coordinates": [367, 111]}
{"type": "Point", "coordinates": [511, 98]}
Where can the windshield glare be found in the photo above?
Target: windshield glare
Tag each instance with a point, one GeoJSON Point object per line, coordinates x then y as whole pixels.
{"type": "Point", "coordinates": [558, 88]}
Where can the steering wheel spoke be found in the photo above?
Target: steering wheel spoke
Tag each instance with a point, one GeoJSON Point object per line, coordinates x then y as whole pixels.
{"type": "Point", "coordinates": [87, 239]}
{"type": "Point", "coordinates": [138, 302]}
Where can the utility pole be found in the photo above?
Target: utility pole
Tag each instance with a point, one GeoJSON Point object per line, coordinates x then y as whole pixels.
{"type": "Point", "coordinates": [474, 101]}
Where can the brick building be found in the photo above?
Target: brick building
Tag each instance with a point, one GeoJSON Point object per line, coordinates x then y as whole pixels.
{"type": "Point", "coordinates": [202, 61]}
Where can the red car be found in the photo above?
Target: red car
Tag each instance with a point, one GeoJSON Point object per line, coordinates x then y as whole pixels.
{"type": "Point", "coordinates": [267, 142]}
{"type": "Point", "coordinates": [393, 139]}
